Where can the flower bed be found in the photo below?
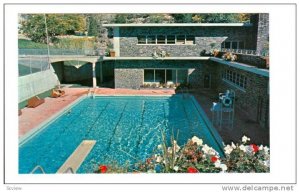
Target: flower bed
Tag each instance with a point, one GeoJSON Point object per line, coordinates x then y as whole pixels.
{"type": "Point", "coordinates": [196, 157]}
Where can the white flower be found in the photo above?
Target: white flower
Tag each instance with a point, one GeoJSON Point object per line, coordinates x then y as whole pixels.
{"type": "Point", "coordinates": [266, 163]}
{"type": "Point", "coordinates": [159, 146]}
{"type": "Point", "coordinates": [151, 171]}
{"type": "Point", "coordinates": [176, 168]}
{"type": "Point", "coordinates": [266, 149]}
{"type": "Point", "coordinates": [243, 148]}
{"type": "Point", "coordinates": [245, 139]}
{"type": "Point", "coordinates": [223, 167]}
{"type": "Point", "coordinates": [208, 150]}
{"type": "Point", "coordinates": [169, 150]}
{"type": "Point", "coordinates": [159, 159]}
{"type": "Point", "coordinates": [233, 145]}
{"type": "Point", "coordinates": [218, 163]}
{"type": "Point", "coordinates": [228, 149]}
{"type": "Point", "coordinates": [197, 140]}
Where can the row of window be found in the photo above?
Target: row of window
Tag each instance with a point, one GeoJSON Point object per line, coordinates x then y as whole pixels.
{"type": "Point", "coordinates": [165, 76]}
{"type": "Point", "coordinates": [233, 45]}
{"type": "Point", "coordinates": [235, 78]}
{"type": "Point", "coordinates": [167, 39]}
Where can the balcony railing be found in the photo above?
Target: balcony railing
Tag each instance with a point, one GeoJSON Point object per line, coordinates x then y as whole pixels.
{"type": "Point", "coordinates": [246, 51]}
{"type": "Point", "coordinates": [88, 52]}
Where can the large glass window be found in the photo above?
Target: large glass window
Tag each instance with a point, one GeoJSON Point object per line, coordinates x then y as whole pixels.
{"type": "Point", "coordinates": [149, 75]}
{"type": "Point", "coordinates": [161, 39]}
{"type": "Point", "coordinates": [190, 40]}
{"type": "Point", "coordinates": [171, 39]}
{"type": "Point", "coordinates": [160, 75]}
{"type": "Point", "coordinates": [151, 39]}
{"type": "Point", "coordinates": [227, 45]}
{"type": "Point", "coordinates": [141, 39]}
{"type": "Point", "coordinates": [171, 76]}
{"type": "Point", "coordinates": [235, 78]}
{"type": "Point", "coordinates": [180, 40]}
{"type": "Point", "coordinates": [234, 45]}
{"type": "Point", "coordinates": [241, 45]}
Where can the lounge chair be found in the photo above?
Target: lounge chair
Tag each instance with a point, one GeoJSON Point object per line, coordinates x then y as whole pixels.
{"type": "Point", "coordinates": [35, 101]}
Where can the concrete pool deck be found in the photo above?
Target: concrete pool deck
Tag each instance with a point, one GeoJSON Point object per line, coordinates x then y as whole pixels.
{"type": "Point", "coordinates": [32, 117]}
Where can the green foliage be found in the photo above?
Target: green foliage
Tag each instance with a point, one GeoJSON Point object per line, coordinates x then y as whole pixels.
{"type": "Point", "coordinates": [220, 18]}
{"type": "Point", "coordinates": [75, 43]}
{"type": "Point", "coordinates": [93, 26]}
{"type": "Point", "coordinates": [121, 18]}
{"type": "Point", "coordinates": [183, 18]}
{"type": "Point", "coordinates": [57, 24]}
{"type": "Point", "coordinates": [27, 44]}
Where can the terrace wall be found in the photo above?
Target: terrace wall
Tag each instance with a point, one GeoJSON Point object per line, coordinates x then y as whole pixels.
{"type": "Point", "coordinates": [254, 98]}
{"type": "Point", "coordinates": [36, 83]}
{"type": "Point", "coordinates": [204, 36]}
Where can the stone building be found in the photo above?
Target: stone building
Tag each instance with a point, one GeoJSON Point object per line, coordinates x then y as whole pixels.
{"type": "Point", "coordinates": [165, 54]}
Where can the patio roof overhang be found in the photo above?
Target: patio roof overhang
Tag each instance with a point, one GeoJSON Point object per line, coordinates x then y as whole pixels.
{"type": "Point", "coordinates": [242, 66]}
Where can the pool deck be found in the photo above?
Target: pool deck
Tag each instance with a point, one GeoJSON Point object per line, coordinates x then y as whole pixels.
{"type": "Point", "coordinates": [32, 117]}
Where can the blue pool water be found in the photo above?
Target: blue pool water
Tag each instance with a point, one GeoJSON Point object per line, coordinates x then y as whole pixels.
{"type": "Point", "coordinates": [125, 129]}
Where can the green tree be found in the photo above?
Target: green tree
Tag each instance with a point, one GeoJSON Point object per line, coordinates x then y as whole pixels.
{"type": "Point", "coordinates": [92, 26]}
{"type": "Point", "coordinates": [57, 24]}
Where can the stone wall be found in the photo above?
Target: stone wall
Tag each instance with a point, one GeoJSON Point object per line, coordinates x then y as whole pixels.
{"type": "Point", "coordinates": [253, 60]}
{"type": "Point", "coordinates": [263, 33]}
{"type": "Point", "coordinates": [254, 99]}
{"type": "Point", "coordinates": [130, 74]}
{"type": "Point", "coordinates": [204, 36]}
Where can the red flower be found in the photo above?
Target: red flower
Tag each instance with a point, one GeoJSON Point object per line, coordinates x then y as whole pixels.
{"type": "Point", "coordinates": [254, 147]}
{"type": "Point", "coordinates": [102, 168]}
{"type": "Point", "coordinates": [214, 159]}
{"type": "Point", "coordinates": [192, 170]}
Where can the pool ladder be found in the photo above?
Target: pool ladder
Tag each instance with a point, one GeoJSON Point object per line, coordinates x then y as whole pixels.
{"type": "Point", "coordinates": [39, 167]}
{"type": "Point", "coordinates": [92, 92]}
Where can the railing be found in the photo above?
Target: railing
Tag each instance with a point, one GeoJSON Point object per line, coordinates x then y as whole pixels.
{"type": "Point", "coordinates": [240, 51]}
{"type": "Point", "coordinates": [246, 51]}
{"type": "Point", "coordinates": [38, 167]}
{"type": "Point", "coordinates": [29, 65]}
{"type": "Point", "coordinates": [92, 52]}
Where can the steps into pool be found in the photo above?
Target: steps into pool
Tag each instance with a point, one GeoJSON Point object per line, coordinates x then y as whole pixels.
{"type": "Point", "coordinates": [77, 157]}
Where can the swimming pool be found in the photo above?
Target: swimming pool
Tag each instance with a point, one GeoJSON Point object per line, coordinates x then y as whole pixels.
{"type": "Point", "coordinates": [126, 128]}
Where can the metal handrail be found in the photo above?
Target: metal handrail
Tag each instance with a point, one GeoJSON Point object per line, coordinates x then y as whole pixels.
{"type": "Point", "coordinates": [36, 168]}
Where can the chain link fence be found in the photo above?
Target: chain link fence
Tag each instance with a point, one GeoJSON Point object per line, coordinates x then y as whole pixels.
{"type": "Point", "coordinates": [36, 60]}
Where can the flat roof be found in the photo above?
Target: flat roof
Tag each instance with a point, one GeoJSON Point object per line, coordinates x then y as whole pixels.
{"type": "Point", "coordinates": [179, 25]}
{"type": "Point", "coordinates": [245, 67]}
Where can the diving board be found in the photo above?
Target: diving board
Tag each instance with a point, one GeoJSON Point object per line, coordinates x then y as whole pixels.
{"type": "Point", "coordinates": [77, 157]}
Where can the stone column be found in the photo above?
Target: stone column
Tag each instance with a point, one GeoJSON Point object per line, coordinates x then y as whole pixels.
{"type": "Point", "coordinates": [94, 75]}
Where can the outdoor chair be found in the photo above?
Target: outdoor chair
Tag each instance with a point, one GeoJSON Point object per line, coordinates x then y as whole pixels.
{"type": "Point", "coordinates": [35, 101]}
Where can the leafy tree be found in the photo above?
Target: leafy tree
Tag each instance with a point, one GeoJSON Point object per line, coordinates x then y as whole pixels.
{"type": "Point", "coordinates": [92, 26]}
{"type": "Point", "coordinates": [183, 18]}
{"type": "Point", "coordinates": [57, 24]}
